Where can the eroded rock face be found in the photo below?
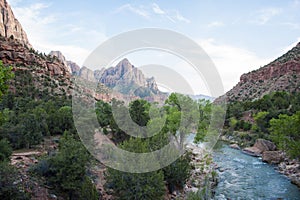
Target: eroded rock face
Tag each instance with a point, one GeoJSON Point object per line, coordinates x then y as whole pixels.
{"type": "Point", "coordinates": [124, 73]}
{"type": "Point", "coordinates": [87, 74]}
{"type": "Point", "coordinates": [10, 26]}
{"type": "Point", "coordinates": [73, 67]}
{"type": "Point", "coordinates": [61, 58]}
{"type": "Point", "coordinates": [283, 74]}
{"type": "Point", "coordinates": [14, 53]}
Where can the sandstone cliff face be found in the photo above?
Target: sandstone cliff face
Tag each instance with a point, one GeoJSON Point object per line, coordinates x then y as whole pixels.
{"type": "Point", "coordinates": [73, 67]}
{"type": "Point", "coordinates": [61, 58]}
{"type": "Point", "coordinates": [10, 26]}
{"type": "Point", "coordinates": [42, 67]}
{"type": "Point", "coordinates": [15, 54]}
{"type": "Point", "coordinates": [125, 74]}
{"type": "Point", "coordinates": [283, 74]}
{"type": "Point", "coordinates": [87, 74]}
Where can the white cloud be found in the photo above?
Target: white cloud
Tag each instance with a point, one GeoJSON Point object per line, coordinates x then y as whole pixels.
{"type": "Point", "coordinates": [156, 9]}
{"type": "Point", "coordinates": [137, 10]}
{"type": "Point", "coordinates": [152, 11]}
{"type": "Point", "coordinates": [263, 16]}
{"type": "Point", "coordinates": [231, 61]}
{"type": "Point", "coordinates": [173, 15]}
{"type": "Point", "coordinates": [215, 24]}
{"type": "Point", "coordinates": [179, 17]}
{"type": "Point", "coordinates": [45, 32]}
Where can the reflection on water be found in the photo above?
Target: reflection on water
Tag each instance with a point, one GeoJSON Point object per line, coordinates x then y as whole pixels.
{"type": "Point", "coordinates": [246, 177]}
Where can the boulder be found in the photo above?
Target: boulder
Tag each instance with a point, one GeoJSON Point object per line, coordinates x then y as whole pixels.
{"type": "Point", "coordinates": [260, 146]}
{"type": "Point", "coordinates": [264, 145]}
{"type": "Point", "coordinates": [252, 151]}
{"type": "Point", "coordinates": [272, 157]}
{"type": "Point", "coordinates": [234, 146]}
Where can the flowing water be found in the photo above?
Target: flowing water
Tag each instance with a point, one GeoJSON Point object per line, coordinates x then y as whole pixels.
{"type": "Point", "coordinates": [245, 177]}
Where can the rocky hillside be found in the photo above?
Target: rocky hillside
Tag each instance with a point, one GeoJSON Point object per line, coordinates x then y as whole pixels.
{"type": "Point", "coordinates": [10, 26]}
{"type": "Point", "coordinates": [48, 73]}
{"type": "Point", "coordinates": [44, 73]}
{"type": "Point", "coordinates": [283, 74]}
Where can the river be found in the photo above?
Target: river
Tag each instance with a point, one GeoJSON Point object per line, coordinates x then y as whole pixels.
{"type": "Point", "coordinates": [245, 177]}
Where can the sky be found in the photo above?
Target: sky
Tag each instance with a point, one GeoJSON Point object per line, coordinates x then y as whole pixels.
{"type": "Point", "coordinates": [239, 36]}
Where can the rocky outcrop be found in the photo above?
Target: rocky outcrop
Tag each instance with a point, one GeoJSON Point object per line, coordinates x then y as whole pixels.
{"type": "Point", "coordinates": [14, 53]}
{"type": "Point", "coordinates": [272, 157]}
{"type": "Point", "coordinates": [259, 147]}
{"type": "Point", "coordinates": [48, 73]}
{"type": "Point", "coordinates": [10, 26]}
{"type": "Point", "coordinates": [73, 67]}
{"type": "Point", "coordinates": [282, 74]}
{"type": "Point", "coordinates": [291, 168]}
{"type": "Point", "coordinates": [61, 58]}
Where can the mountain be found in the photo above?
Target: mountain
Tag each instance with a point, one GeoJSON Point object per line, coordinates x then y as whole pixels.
{"type": "Point", "coordinates": [124, 81]}
{"type": "Point", "coordinates": [283, 74]}
{"type": "Point", "coordinates": [10, 26]}
{"type": "Point", "coordinates": [126, 78]}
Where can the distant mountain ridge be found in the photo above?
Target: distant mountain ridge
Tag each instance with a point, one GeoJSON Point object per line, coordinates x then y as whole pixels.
{"type": "Point", "coordinates": [283, 74]}
{"type": "Point", "coordinates": [125, 79]}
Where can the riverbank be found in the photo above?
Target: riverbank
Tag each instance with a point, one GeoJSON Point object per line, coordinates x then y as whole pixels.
{"type": "Point", "coordinates": [269, 154]}
{"type": "Point", "coordinates": [203, 179]}
{"type": "Point", "coordinates": [246, 177]}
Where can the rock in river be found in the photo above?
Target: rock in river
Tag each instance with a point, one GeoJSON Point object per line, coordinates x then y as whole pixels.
{"type": "Point", "coordinates": [272, 157]}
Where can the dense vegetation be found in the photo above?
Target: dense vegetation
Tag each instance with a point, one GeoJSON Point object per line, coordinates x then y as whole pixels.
{"type": "Point", "coordinates": [28, 116]}
{"type": "Point", "coordinates": [274, 117]}
{"type": "Point", "coordinates": [149, 185]}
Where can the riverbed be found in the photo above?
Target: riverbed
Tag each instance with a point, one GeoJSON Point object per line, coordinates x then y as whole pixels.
{"type": "Point", "coordinates": [245, 177]}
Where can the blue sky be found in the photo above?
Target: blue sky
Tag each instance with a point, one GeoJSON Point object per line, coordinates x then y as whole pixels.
{"type": "Point", "coordinates": [239, 36]}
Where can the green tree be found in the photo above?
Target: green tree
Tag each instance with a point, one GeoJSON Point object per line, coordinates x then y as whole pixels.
{"type": "Point", "coordinates": [177, 173]}
{"type": "Point", "coordinates": [205, 109]}
{"type": "Point", "coordinates": [262, 121]}
{"type": "Point", "coordinates": [285, 133]}
{"type": "Point", "coordinates": [5, 150]}
{"type": "Point", "coordinates": [139, 112]}
{"type": "Point", "coordinates": [125, 185]}
{"type": "Point", "coordinates": [9, 186]}
{"type": "Point", "coordinates": [5, 76]}
{"type": "Point", "coordinates": [68, 166]}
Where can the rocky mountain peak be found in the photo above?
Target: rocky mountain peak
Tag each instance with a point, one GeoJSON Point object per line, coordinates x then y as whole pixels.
{"type": "Point", "coordinates": [123, 67]}
{"type": "Point", "coordinates": [10, 26]}
{"type": "Point", "coordinates": [124, 73]}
